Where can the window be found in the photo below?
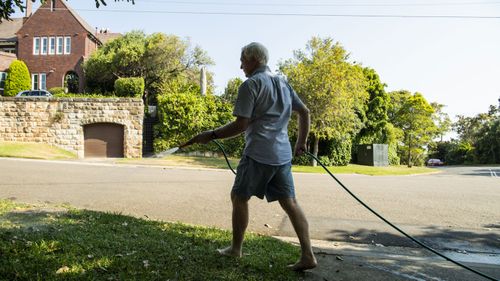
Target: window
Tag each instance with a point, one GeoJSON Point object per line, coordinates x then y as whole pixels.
{"type": "Point", "coordinates": [44, 45]}
{"type": "Point", "coordinates": [59, 45]}
{"type": "Point", "coordinates": [43, 81]}
{"type": "Point", "coordinates": [3, 76]}
{"type": "Point", "coordinates": [34, 81]}
{"type": "Point", "coordinates": [36, 45]}
{"type": "Point", "coordinates": [52, 45]}
{"type": "Point", "coordinates": [38, 81]}
{"type": "Point", "coordinates": [67, 45]}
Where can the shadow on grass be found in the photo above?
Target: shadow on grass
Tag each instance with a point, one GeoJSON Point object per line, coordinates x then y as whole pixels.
{"type": "Point", "coordinates": [88, 245]}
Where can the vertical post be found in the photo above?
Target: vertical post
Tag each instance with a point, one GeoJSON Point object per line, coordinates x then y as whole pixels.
{"type": "Point", "coordinates": [203, 81]}
{"type": "Point", "coordinates": [29, 8]}
{"type": "Point", "coordinates": [409, 150]}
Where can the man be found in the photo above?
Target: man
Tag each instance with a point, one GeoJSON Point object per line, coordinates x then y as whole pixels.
{"type": "Point", "coordinates": [263, 108]}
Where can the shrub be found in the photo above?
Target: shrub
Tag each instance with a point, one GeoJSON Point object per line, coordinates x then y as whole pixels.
{"type": "Point", "coordinates": [303, 160]}
{"type": "Point", "coordinates": [57, 91]}
{"type": "Point", "coordinates": [393, 155]}
{"type": "Point", "coordinates": [18, 78]}
{"type": "Point", "coordinates": [326, 161]}
{"type": "Point", "coordinates": [129, 87]}
{"type": "Point", "coordinates": [183, 115]}
{"type": "Point", "coordinates": [337, 151]}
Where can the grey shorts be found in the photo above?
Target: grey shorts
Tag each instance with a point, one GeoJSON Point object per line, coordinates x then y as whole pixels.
{"type": "Point", "coordinates": [257, 179]}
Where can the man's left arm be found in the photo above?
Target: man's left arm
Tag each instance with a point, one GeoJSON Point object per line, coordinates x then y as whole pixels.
{"type": "Point", "coordinates": [231, 129]}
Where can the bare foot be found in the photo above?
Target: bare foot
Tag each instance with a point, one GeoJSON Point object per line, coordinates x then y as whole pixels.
{"type": "Point", "coordinates": [302, 265]}
{"type": "Point", "coordinates": [229, 252]}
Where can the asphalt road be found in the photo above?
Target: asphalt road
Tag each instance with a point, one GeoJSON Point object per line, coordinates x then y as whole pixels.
{"type": "Point", "coordinates": [457, 209]}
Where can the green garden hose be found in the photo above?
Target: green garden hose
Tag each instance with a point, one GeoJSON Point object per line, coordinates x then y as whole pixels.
{"type": "Point", "coordinates": [376, 214]}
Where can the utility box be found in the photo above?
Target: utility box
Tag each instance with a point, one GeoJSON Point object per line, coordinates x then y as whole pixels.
{"type": "Point", "coordinates": [373, 154]}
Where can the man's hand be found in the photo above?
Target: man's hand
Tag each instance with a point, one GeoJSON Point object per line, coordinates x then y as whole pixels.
{"type": "Point", "coordinates": [202, 138]}
{"type": "Point", "coordinates": [300, 148]}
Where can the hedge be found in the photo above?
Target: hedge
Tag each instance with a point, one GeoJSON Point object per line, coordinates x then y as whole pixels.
{"type": "Point", "coordinates": [129, 87]}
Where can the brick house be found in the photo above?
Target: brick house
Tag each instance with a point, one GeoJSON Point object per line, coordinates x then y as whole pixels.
{"type": "Point", "coordinates": [54, 41]}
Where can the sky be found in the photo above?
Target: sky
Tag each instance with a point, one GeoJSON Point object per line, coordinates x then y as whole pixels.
{"type": "Point", "coordinates": [451, 60]}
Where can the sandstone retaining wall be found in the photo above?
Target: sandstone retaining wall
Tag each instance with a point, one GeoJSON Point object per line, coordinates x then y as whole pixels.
{"type": "Point", "coordinates": [60, 121]}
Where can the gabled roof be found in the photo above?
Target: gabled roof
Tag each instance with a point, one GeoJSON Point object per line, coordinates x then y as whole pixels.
{"type": "Point", "coordinates": [79, 19]}
{"type": "Point", "coordinates": [8, 29]}
{"type": "Point", "coordinates": [85, 25]}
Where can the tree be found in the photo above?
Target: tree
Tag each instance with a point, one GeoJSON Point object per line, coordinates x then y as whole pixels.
{"type": "Point", "coordinates": [487, 147]}
{"type": "Point", "coordinates": [376, 127]}
{"type": "Point", "coordinates": [441, 119]}
{"type": "Point", "coordinates": [8, 7]}
{"type": "Point", "coordinates": [482, 134]}
{"type": "Point", "coordinates": [412, 114]}
{"type": "Point", "coordinates": [231, 90]}
{"type": "Point", "coordinates": [158, 58]}
{"type": "Point", "coordinates": [375, 111]}
{"type": "Point", "coordinates": [468, 128]}
{"type": "Point", "coordinates": [18, 78]}
{"type": "Point", "coordinates": [332, 87]}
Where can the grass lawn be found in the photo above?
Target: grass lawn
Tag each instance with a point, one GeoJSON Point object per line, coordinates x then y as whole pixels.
{"type": "Point", "coordinates": [45, 151]}
{"type": "Point", "coordinates": [59, 243]}
{"type": "Point", "coordinates": [366, 170]}
{"type": "Point", "coordinates": [220, 163]}
{"type": "Point", "coordinates": [179, 160]}
{"type": "Point", "coordinates": [34, 151]}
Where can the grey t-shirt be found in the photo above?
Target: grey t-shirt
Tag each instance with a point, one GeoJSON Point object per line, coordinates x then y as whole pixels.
{"type": "Point", "coordinates": [267, 100]}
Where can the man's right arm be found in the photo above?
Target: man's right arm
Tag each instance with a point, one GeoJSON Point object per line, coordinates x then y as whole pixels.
{"type": "Point", "coordinates": [304, 125]}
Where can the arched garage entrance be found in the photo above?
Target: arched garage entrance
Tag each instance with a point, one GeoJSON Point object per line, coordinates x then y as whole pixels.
{"type": "Point", "coordinates": [103, 140]}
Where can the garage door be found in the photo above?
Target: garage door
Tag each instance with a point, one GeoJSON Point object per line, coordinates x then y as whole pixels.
{"type": "Point", "coordinates": [103, 140]}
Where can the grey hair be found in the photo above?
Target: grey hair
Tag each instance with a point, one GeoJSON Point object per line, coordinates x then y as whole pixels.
{"type": "Point", "coordinates": [255, 51]}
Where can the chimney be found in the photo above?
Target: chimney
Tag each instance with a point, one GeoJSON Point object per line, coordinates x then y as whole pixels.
{"type": "Point", "coordinates": [29, 8]}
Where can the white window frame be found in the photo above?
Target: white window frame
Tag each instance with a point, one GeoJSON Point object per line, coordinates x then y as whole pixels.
{"type": "Point", "coordinates": [52, 45]}
{"type": "Point", "coordinates": [43, 81]}
{"type": "Point", "coordinates": [39, 81]}
{"type": "Point", "coordinates": [44, 46]}
{"type": "Point", "coordinates": [36, 45]}
{"type": "Point", "coordinates": [67, 45]}
{"type": "Point", "coordinates": [59, 45]}
{"type": "Point", "coordinates": [35, 83]}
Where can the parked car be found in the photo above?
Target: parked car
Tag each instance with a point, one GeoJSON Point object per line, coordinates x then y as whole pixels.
{"type": "Point", "coordinates": [435, 162]}
{"type": "Point", "coordinates": [34, 93]}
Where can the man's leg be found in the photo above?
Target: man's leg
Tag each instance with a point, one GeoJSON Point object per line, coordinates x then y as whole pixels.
{"type": "Point", "coordinates": [240, 223]}
{"type": "Point", "coordinates": [299, 222]}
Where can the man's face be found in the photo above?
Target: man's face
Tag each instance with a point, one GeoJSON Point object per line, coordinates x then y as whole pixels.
{"type": "Point", "coordinates": [248, 66]}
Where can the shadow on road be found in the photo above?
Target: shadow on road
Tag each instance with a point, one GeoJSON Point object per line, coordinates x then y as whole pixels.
{"type": "Point", "coordinates": [435, 237]}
